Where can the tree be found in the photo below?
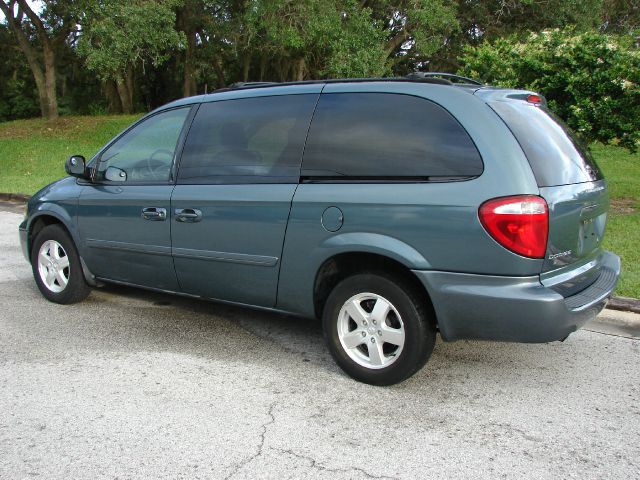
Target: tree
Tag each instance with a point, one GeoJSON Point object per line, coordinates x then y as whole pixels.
{"type": "Point", "coordinates": [621, 16]}
{"type": "Point", "coordinates": [413, 28]}
{"type": "Point", "coordinates": [118, 35]}
{"type": "Point", "coordinates": [591, 80]}
{"type": "Point", "coordinates": [486, 20]}
{"type": "Point", "coordinates": [296, 40]}
{"type": "Point", "coordinates": [312, 38]}
{"type": "Point", "coordinates": [17, 87]}
{"type": "Point", "coordinates": [38, 38]}
{"type": "Point", "coordinates": [189, 20]}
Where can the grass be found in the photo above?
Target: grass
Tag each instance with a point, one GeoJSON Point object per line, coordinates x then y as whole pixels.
{"type": "Point", "coordinates": [622, 170]}
{"type": "Point", "coordinates": [32, 154]}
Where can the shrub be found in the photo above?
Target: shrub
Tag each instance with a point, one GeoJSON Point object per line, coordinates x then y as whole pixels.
{"type": "Point", "coordinates": [591, 80]}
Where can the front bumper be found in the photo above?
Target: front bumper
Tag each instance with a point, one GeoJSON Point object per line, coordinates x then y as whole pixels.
{"type": "Point", "coordinates": [514, 309]}
{"type": "Point", "coordinates": [22, 231]}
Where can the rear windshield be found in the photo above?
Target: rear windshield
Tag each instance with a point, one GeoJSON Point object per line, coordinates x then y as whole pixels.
{"type": "Point", "coordinates": [556, 156]}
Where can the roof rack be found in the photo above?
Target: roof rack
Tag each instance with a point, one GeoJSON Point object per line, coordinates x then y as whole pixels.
{"type": "Point", "coordinates": [251, 84]}
{"type": "Point", "coordinates": [448, 77]}
{"type": "Point", "coordinates": [422, 77]}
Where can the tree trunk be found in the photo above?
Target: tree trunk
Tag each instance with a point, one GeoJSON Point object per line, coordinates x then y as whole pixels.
{"type": "Point", "coordinates": [130, 82]}
{"type": "Point", "coordinates": [45, 81]}
{"type": "Point", "coordinates": [300, 68]}
{"type": "Point", "coordinates": [217, 66]}
{"type": "Point", "coordinates": [189, 81]}
{"type": "Point", "coordinates": [246, 64]}
{"type": "Point", "coordinates": [38, 76]}
{"type": "Point", "coordinates": [125, 96]}
{"type": "Point", "coordinates": [285, 66]}
{"type": "Point", "coordinates": [113, 99]}
{"type": "Point", "coordinates": [263, 66]}
{"type": "Point", "coordinates": [51, 111]}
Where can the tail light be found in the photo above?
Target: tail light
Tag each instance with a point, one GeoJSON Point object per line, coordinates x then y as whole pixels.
{"type": "Point", "coordinates": [533, 98]}
{"type": "Point", "coordinates": [519, 223]}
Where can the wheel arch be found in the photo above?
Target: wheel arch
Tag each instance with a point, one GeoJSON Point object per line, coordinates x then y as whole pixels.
{"type": "Point", "coordinates": [344, 264]}
{"type": "Point", "coordinates": [39, 222]}
{"type": "Point", "coordinates": [46, 217]}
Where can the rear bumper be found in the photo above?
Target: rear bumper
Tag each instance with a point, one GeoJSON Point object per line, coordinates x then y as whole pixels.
{"type": "Point", "coordinates": [515, 309]}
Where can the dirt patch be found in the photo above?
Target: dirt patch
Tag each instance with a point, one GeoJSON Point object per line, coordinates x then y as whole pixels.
{"type": "Point", "coordinates": [623, 206]}
{"type": "Point", "coordinates": [63, 126]}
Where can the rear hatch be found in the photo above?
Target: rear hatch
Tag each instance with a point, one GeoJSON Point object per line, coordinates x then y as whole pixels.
{"type": "Point", "coordinates": [570, 182]}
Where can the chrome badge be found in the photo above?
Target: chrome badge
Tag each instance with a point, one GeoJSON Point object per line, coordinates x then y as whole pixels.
{"type": "Point", "coordinates": [558, 255]}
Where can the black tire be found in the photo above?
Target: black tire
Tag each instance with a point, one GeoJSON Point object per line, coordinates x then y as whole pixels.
{"type": "Point", "coordinates": [76, 288]}
{"type": "Point", "coordinates": [414, 310]}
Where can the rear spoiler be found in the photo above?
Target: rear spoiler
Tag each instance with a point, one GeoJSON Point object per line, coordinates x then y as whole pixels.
{"type": "Point", "coordinates": [492, 94]}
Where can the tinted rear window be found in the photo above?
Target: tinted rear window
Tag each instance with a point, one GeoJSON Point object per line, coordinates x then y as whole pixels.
{"type": "Point", "coordinates": [379, 135]}
{"type": "Point", "coordinates": [556, 156]}
{"type": "Point", "coordinates": [250, 140]}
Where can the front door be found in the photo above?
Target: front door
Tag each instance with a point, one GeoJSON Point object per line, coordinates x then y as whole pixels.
{"type": "Point", "coordinates": [124, 216]}
{"type": "Point", "coordinates": [239, 170]}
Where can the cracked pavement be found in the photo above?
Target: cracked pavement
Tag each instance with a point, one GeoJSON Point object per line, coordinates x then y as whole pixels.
{"type": "Point", "coordinates": [132, 384]}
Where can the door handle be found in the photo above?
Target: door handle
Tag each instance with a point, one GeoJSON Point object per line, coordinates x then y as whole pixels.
{"type": "Point", "coordinates": [188, 215]}
{"type": "Point", "coordinates": [154, 213]}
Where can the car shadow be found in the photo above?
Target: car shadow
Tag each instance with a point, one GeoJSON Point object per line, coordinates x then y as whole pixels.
{"type": "Point", "coordinates": [302, 338]}
{"type": "Point", "coordinates": [130, 320]}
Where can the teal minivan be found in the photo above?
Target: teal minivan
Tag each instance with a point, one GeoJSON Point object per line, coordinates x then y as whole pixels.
{"type": "Point", "coordinates": [392, 209]}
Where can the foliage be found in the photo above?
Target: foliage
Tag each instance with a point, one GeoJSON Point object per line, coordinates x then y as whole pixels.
{"type": "Point", "coordinates": [621, 16]}
{"type": "Point", "coordinates": [293, 40]}
{"type": "Point", "coordinates": [18, 103]}
{"type": "Point", "coordinates": [128, 55]}
{"type": "Point", "coordinates": [591, 80]}
{"type": "Point", "coordinates": [18, 98]}
{"type": "Point", "coordinates": [331, 38]}
{"type": "Point", "coordinates": [485, 20]}
{"type": "Point", "coordinates": [120, 33]}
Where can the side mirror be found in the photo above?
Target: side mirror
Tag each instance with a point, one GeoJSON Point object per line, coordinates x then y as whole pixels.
{"type": "Point", "coordinates": [76, 166]}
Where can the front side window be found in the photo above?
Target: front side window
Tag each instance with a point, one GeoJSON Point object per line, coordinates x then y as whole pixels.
{"type": "Point", "coordinates": [145, 153]}
{"type": "Point", "coordinates": [251, 140]}
{"type": "Point", "coordinates": [387, 136]}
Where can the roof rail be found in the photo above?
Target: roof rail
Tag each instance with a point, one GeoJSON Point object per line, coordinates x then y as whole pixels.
{"type": "Point", "coordinates": [425, 76]}
{"type": "Point", "coordinates": [251, 84]}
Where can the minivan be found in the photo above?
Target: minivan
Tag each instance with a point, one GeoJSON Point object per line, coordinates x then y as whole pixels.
{"type": "Point", "coordinates": [391, 209]}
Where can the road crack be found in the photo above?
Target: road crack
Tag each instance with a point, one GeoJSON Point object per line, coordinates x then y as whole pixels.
{"type": "Point", "coordinates": [261, 445]}
{"type": "Point", "coordinates": [317, 465]}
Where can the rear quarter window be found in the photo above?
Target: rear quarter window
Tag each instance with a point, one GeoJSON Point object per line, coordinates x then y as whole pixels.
{"type": "Point", "coordinates": [387, 136]}
{"type": "Point", "coordinates": [556, 155]}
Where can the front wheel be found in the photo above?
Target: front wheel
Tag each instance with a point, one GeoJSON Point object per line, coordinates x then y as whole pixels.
{"type": "Point", "coordinates": [378, 328]}
{"type": "Point", "coordinates": [56, 266]}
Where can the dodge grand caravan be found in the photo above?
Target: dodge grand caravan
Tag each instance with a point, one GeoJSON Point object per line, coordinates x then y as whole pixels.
{"type": "Point", "coordinates": [391, 209]}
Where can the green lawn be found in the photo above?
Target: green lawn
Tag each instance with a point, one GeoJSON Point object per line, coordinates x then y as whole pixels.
{"type": "Point", "coordinates": [622, 170]}
{"type": "Point", "coordinates": [32, 154]}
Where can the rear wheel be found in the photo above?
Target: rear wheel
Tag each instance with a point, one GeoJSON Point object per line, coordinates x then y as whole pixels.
{"type": "Point", "coordinates": [56, 266]}
{"type": "Point", "coordinates": [378, 329]}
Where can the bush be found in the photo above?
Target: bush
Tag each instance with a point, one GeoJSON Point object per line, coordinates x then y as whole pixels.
{"type": "Point", "coordinates": [17, 100]}
{"type": "Point", "coordinates": [591, 80]}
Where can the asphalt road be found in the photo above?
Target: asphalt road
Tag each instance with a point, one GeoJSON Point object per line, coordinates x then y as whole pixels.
{"type": "Point", "coordinates": [130, 384]}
